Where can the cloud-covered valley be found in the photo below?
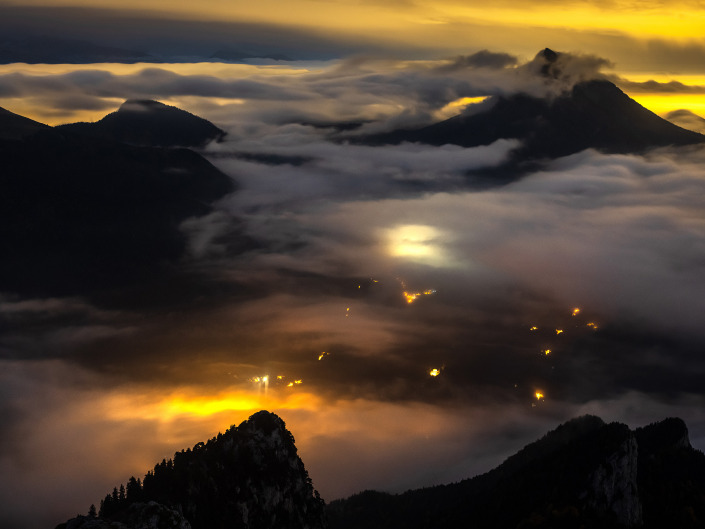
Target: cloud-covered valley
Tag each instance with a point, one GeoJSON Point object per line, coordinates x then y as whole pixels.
{"type": "Point", "coordinates": [365, 270]}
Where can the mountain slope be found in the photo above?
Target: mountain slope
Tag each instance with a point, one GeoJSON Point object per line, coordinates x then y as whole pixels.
{"type": "Point", "coordinates": [16, 127]}
{"type": "Point", "coordinates": [593, 114]}
{"type": "Point", "coordinates": [249, 476]}
{"type": "Point", "coordinates": [583, 474]}
{"type": "Point", "coordinates": [150, 123]}
{"type": "Point", "coordinates": [79, 214]}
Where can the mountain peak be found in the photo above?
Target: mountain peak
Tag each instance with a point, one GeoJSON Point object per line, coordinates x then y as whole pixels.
{"type": "Point", "coordinates": [249, 476]}
{"type": "Point", "coordinates": [547, 59]}
{"type": "Point", "coordinates": [151, 123]}
{"type": "Point", "coordinates": [137, 105]}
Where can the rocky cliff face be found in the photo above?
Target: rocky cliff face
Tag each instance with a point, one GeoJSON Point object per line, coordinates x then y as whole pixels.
{"type": "Point", "coordinates": [249, 477]}
{"type": "Point", "coordinates": [613, 485]}
{"type": "Point", "coordinates": [585, 473]}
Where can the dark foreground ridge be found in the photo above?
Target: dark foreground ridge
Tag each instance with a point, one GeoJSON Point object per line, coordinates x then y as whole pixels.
{"type": "Point", "coordinates": [248, 477]}
{"type": "Point", "coordinates": [585, 473]}
{"type": "Point", "coordinates": [84, 213]}
{"type": "Point", "coordinates": [592, 114]}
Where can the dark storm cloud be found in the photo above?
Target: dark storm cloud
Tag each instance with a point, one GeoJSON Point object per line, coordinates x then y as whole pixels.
{"type": "Point", "coordinates": [671, 87]}
{"type": "Point", "coordinates": [160, 37]}
{"type": "Point", "coordinates": [480, 59]}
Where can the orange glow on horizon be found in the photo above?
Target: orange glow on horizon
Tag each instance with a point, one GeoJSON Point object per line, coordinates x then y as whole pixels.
{"type": "Point", "coordinates": [189, 403]}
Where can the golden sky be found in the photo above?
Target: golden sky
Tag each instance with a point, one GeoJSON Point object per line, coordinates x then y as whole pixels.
{"type": "Point", "coordinates": [671, 20]}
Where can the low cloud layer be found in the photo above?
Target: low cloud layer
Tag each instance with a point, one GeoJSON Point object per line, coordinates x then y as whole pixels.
{"type": "Point", "coordinates": [374, 266]}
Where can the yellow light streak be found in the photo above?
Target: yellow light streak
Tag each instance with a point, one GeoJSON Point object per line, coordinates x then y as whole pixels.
{"type": "Point", "coordinates": [576, 311]}
{"type": "Point", "coordinates": [547, 352]}
{"type": "Point", "coordinates": [664, 103]}
{"type": "Point", "coordinates": [458, 106]}
{"type": "Point", "coordinates": [657, 19]}
{"type": "Point", "coordinates": [533, 328]}
{"type": "Point", "coordinates": [322, 355]}
{"type": "Point", "coordinates": [434, 372]}
{"type": "Point", "coordinates": [559, 331]}
{"type": "Point", "coordinates": [593, 326]}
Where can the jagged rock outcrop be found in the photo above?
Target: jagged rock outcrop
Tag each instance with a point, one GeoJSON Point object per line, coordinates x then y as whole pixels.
{"type": "Point", "coordinates": [584, 114]}
{"type": "Point", "coordinates": [249, 477]}
{"type": "Point", "coordinates": [612, 487]}
{"type": "Point", "coordinates": [585, 473]}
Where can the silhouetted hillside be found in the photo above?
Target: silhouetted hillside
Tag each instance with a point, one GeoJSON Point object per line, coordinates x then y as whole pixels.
{"type": "Point", "coordinates": [150, 123]}
{"type": "Point", "coordinates": [16, 127]}
{"type": "Point", "coordinates": [583, 474]}
{"type": "Point", "coordinates": [593, 114]}
{"type": "Point", "coordinates": [78, 214]}
{"type": "Point", "coordinates": [248, 477]}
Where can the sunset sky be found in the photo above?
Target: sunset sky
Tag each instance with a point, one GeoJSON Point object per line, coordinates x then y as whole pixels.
{"type": "Point", "coordinates": [401, 324]}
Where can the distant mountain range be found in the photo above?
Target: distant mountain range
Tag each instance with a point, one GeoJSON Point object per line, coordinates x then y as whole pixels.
{"type": "Point", "coordinates": [89, 207]}
{"type": "Point", "coordinates": [584, 474]}
{"type": "Point", "coordinates": [593, 114]}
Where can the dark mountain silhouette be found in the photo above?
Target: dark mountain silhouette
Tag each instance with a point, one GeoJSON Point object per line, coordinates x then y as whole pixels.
{"type": "Point", "coordinates": [81, 214]}
{"type": "Point", "coordinates": [229, 54]}
{"type": "Point", "coordinates": [584, 474]}
{"type": "Point", "coordinates": [592, 114]}
{"type": "Point", "coordinates": [248, 477]}
{"type": "Point", "coordinates": [37, 49]}
{"type": "Point", "coordinates": [150, 123]}
{"type": "Point", "coordinates": [16, 127]}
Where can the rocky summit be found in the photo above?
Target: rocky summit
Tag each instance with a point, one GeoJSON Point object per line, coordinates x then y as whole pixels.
{"type": "Point", "coordinates": [585, 473]}
{"type": "Point", "coordinates": [248, 477]}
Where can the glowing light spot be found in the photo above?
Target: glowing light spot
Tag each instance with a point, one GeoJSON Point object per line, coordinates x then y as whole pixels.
{"type": "Point", "coordinates": [298, 381]}
{"type": "Point", "coordinates": [280, 377]}
{"type": "Point", "coordinates": [576, 311]}
{"type": "Point", "coordinates": [592, 325]}
{"type": "Point", "coordinates": [322, 355]}
{"type": "Point", "coordinates": [413, 296]}
{"type": "Point", "coordinates": [534, 328]}
{"type": "Point", "coordinates": [547, 352]}
{"type": "Point", "coordinates": [558, 331]}
{"type": "Point", "coordinates": [539, 395]}
{"type": "Point", "coordinates": [434, 372]}
{"type": "Point", "coordinates": [419, 243]}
